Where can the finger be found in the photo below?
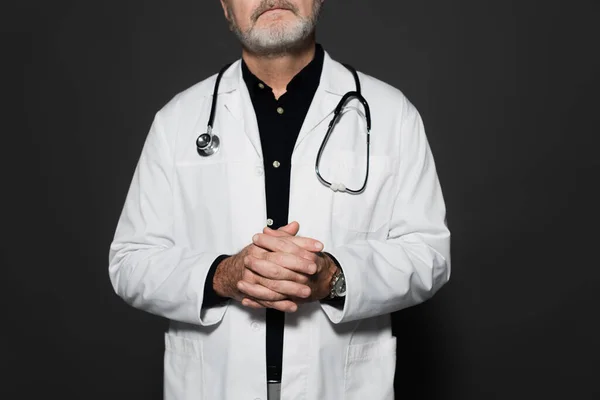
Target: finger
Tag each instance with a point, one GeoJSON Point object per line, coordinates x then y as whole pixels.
{"type": "Point", "coordinates": [251, 303]}
{"type": "Point", "coordinates": [255, 250]}
{"type": "Point", "coordinates": [301, 246]}
{"type": "Point", "coordinates": [284, 231]}
{"type": "Point", "coordinates": [292, 228]}
{"type": "Point", "coordinates": [284, 305]}
{"type": "Point", "coordinates": [269, 290]}
{"type": "Point", "coordinates": [259, 292]}
{"type": "Point", "coordinates": [292, 262]}
{"type": "Point", "coordinates": [270, 270]}
{"type": "Point", "coordinates": [277, 233]}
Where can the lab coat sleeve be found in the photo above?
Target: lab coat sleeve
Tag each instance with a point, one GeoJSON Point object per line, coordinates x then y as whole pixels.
{"type": "Point", "coordinates": [413, 263]}
{"type": "Point", "coordinates": [147, 268]}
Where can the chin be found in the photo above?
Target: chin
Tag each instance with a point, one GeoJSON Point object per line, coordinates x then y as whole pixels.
{"type": "Point", "coordinates": [279, 29]}
{"type": "Point", "coordinates": [276, 37]}
{"type": "Point", "coordinates": [277, 23]}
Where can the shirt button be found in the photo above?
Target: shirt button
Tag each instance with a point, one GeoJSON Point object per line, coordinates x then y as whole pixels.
{"type": "Point", "coordinates": [260, 171]}
{"type": "Point", "coordinates": [269, 222]}
{"type": "Point", "coordinates": [276, 164]}
{"type": "Point", "coordinates": [261, 85]}
{"type": "Point", "coordinates": [280, 110]}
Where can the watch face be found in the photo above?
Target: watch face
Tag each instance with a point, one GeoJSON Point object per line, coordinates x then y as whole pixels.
{"type": "Point", "coordinates": [340, 286]}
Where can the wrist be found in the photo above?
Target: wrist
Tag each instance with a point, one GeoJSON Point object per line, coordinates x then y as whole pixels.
{"type": "Point", "coordinates": [219, 281]}
{"type": "Point", "coordinates": [331, 270]}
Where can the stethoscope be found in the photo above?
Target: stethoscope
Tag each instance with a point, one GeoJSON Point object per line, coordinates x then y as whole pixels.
{"type": "Point", "coordinates": [208, 143]}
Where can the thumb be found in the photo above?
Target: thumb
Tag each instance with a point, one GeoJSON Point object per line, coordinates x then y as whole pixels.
{"type": "Point", "coordinates": [290, 229]}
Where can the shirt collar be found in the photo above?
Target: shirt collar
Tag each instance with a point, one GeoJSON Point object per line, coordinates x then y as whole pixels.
{"type": "Point", "coordinates": [307, 79]}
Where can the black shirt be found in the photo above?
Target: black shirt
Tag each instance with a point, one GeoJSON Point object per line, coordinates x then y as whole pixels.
{"type": "Point", "coordinates": [279, 123]}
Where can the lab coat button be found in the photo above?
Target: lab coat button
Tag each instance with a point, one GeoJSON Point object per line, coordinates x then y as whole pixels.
{"type": "Point", "coordinates": [255, 326]}
{"type": "Point", "coordinates": [269, 222]}
{"type": "Point", "coordinates": [260, 171]}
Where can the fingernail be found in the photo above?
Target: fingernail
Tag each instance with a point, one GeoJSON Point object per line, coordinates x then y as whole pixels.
{"type": "Point", "coordinates": [312, 268]}
{"type": "Point", "coordinates": [319, 245]}
{"type": "Point", "coordinates": [255, 238]}
{"type": "Point", "coordinates": [305, 292]}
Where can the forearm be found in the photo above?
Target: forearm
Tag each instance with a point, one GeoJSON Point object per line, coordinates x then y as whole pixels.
{"type": "Point", "coordinates": [212, 297]}
{"type": "Point", "coordinates": [168, 282]}
{"type": "Point", "coordinates": [412, 262]}
{"type": "Point", "coordinates": [384, 277]}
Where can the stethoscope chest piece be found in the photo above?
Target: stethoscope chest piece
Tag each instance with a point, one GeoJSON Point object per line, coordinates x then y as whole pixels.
{"type": "Point", "coordinates": [207, 144]}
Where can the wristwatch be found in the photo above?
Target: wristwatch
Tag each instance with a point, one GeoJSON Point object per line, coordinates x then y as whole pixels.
{"type": "Point", "coordinates": [338, 285]}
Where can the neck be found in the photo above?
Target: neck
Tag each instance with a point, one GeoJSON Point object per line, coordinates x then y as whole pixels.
{"type": "Point", "coordinates": [278, 70]}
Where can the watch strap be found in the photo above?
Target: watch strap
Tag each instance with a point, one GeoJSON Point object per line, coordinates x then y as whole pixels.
{"type": "Point", "coordinates": [336, 277]}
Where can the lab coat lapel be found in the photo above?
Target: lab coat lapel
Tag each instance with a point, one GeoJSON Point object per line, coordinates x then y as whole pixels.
{"type": "Point", "coordinates": [240, 107]}
{"type": "Point", "coordinates": [335, 81]}
{"type": "Point", "coordinates": [321, 107]}
{"type": "Point", "coordinates": [332, 86]}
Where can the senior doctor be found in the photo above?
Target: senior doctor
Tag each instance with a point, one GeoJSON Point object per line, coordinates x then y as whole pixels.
{"type": "Point", "coordinates": [279, 282]}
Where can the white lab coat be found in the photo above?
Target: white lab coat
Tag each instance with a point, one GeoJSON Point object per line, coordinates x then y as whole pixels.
{"type": "Point", "coordinates": [182, 211]}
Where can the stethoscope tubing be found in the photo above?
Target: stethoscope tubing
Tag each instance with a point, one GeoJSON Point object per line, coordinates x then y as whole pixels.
{"type": "Point", "coordinates": [208, 143]}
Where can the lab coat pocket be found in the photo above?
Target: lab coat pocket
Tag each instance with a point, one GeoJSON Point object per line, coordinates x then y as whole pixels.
{"type": "Point", "coordinates": [183, 369]}
{"type": "Point", "coordinates": [371, 209]}
{"type": "Point", "coordinates": [370, 370]}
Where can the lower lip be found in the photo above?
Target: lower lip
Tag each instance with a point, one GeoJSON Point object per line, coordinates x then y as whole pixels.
{"type": "Point", "coordinates": [275, 10]}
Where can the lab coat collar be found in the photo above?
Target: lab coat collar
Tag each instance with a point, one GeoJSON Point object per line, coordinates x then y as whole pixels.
{"type": "Point", "coordinates": [335, 78]}
{"type": "Point", "coordinates": [335, 81]}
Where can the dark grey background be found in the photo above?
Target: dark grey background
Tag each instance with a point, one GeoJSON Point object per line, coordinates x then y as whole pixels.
{"type": "Point", "coordinates": [508, 92]}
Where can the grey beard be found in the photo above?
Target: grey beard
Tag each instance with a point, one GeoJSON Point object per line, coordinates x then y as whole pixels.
{"type": "Point", "coordinates": [278, 41]}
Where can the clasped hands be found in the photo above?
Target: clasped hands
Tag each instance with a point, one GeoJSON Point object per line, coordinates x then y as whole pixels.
{"type": "Point", "coordinates": [277, 270]}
